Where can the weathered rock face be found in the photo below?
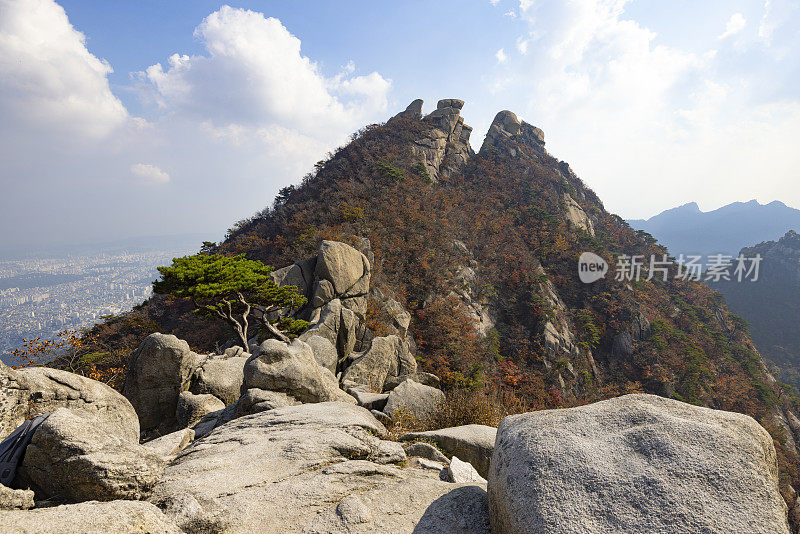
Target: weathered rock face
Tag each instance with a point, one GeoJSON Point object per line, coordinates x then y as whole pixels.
{"type": "Point", "coordinates": [477, 308]}
{"type": "Point", "coordinates": [387, 357]}
{"type": "Point", "coordinates": [192, 408]}
{"type": "Point", "coordinates": [399, 317]}
{"type": "Point", "coordinates": [446, 147]}
{"type": "Point", "coordinates": [427, 451]}
{"type": "Point", "coordinates": [344, 267]}
{"type": "Point", "coordinates": [576, 216]}
{"type": "Point", "coordinates": [259, 400]}
{"type": "Point", "coordinates": [168, 447]}
{"type": "Point", "coordinates": [312, 468]}
{"type": "Point", "coordinates": [337, 284]}
{"type": "Point", "coordinates": [472, 443]}
{"type": "Point", "coordinates": [33, 391]}
{"type": "Point", "coordinates": [560, 342]}
{"type": "Point", "coordinates": [89, 518]}
{"type": "Point", "coordinates": [637, 463]}
{"type": "Point", "coordinates": [324, 351]}
{"type": "Point", "coordinates": [291, 369]}
{"type": "Point", "coordinates": [220, 376]}
{"type": "Point", "coordinates": [505, 126]}
{"type": "Point", "coordinates": [421, 377]}
{"type": "Point", "coordinates": [413, 111]}
{"type": "Point", "coordinates": [463, 472]}
{"type": "Point", "coordinates": [74, 456]}
{"type": "Point", "coordinates": [342, 273]}
{"type": "Point", "coordinates": [421, 401]}
{"type": "Point", "coordinates": [370, 400]}
{"type": "Point", "coordinates": [299, 275]}
{"type": "Point", "coordinates": [158, 371]}
{"type": "Point", "coordinates": [15, 499]}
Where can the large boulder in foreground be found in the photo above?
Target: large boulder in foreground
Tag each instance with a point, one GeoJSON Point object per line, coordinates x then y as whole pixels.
{"type": "Point", "coordinates": [158, 371]}
{"type": "Point", "coordinates": [75, 457]}
{"type": "Point", "coordinates": [472, 443]}
{"type": "Point", "coordinates": [312, 468]}
{"type": "Point", "coordinates": [291, 369]}
{"type": "Point", "coordinates": [634, 464]}
{"type": "Point", "coordinates": [89, 518]}
{"type": "Point", "coordinates": [26, 393]}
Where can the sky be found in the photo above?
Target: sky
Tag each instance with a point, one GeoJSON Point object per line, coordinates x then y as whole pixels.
{"type": "Point", "coordinates": [122, 119]}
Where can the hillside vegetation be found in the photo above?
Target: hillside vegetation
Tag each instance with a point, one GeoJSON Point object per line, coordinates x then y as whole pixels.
{"type": "Point", "coordinates": [482, 249]}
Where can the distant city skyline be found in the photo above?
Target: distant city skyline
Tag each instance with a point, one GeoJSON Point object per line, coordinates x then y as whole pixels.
{"type": "Point", "coordinates": [73, 292]}
{"type": "Point", "coordinates": [122, 119]}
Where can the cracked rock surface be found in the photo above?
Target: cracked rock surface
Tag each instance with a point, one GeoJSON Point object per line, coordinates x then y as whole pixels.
{"type": "Point", "coordinates": [319, 467]}
{"type": "Point", "coordinates": [32, 391]}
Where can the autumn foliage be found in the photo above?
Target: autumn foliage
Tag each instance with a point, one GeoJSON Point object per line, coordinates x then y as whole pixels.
{"type": "Point", "coordinates": [508, 212]}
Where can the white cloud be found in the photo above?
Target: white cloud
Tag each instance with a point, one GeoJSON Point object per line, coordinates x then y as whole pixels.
{"type": "Point", "coordinates": [778, 14]}
{"type": "Point", "coordinates": [510, 13]}
{"type": "Point", "coordinates": [494, 2]}
{"type": "Point", "coordinates": [522, 45]}
{"type": "Point", "coordinates": [149, 173]}
{"type": "Point", "coordinates": [501, 56]}
{"type": "Point", "coordinates": [683, 125]}
{"type": "Point", "coordinates": [250, 114]}
{"type": "Point", "coordinates": [254, 74]}
{"type": "Point", "coordinates": [734, 25]}
{"type": "Point", "coordinates": [49, 81]}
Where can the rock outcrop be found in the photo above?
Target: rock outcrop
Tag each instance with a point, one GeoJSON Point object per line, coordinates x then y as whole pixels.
{"type": "Point", "coordinates": [386, 357]}
{"type": "Point", "coordinates": [26, 393]}
{"type": "Point", "coordinates": [445, 148]}
{"type": "Point", "coordinates": [221, 376]}
{"type": "Point", "coordinates": [318, 467]}
{"type": "Point", "coordinates": [192, 408]}
{"type": "Point", "coordinates": [89, 518]}
{"type": "Point", "coordinates": [637, 463]}
{"type": "Point", "coordinates": [417, 400]}
{"type": "Point", "coordinates": [421, 449]}
{"type": "Point", "coordinates": [75, 456]}
{"type": "Point", "coordinates": [291, 369]}
{"type": "Point", "coordinates": [15, 499]}
{"type": "Point", "coordinates": [158, 371]}
{"type": "Point", "coordinates": [169, 446]}
{"type": "Point", "coordinates": [473, 443]}
{"type": "Point", "coordinates": [428, 379]}
{"type": "Point", "coordinates": [505, 126]}
{"type": "Point", "coordinates": [463, 472]}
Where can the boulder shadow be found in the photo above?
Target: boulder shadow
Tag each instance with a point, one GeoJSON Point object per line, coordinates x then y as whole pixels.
{"type": "Point", "coordinates": [463, 510]}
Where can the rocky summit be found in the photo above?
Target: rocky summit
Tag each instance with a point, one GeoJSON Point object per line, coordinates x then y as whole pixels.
{"type": "Point", "coordinates": [435, 366]}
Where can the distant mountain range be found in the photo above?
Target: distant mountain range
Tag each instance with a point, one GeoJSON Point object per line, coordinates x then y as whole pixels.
{"type": "Point", "coordinates": [772, 303]}
{"type": "Point", "coordinates": [687, 230]}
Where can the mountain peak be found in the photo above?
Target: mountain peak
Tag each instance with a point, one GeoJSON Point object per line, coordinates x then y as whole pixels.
{"type": "Point", "coordinates": [690, 206]}
{"type": "Point", "coordinates": [445, 147]}
{"type": "Point", "coordinates": [506, 125]}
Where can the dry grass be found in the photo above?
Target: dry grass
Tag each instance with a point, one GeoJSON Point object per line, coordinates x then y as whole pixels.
{"type": "Point", "coordinates": [461, 407]}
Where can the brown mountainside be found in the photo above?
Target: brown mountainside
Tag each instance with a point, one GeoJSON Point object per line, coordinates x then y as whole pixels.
{"type": "Point", "coordinates": [482, 248]}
